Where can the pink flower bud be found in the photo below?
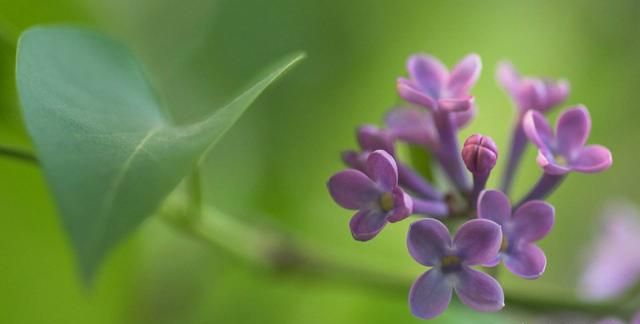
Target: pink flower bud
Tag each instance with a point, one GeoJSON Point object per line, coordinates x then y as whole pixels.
{"type": "Point", "coordinates": [479, 154]}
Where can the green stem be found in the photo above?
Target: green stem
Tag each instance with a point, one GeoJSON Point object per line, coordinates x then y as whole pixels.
{"type": "Point", "coordinates": [18, 154]}
{"type": "Point", "coordinates": [271, 250]}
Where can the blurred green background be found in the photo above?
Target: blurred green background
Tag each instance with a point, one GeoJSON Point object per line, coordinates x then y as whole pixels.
{"type": "Point", "coordinates": [272, 167]}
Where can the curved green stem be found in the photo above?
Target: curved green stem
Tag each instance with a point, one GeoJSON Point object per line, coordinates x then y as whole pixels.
{"type": "Point", "coordinates": [272, 250]}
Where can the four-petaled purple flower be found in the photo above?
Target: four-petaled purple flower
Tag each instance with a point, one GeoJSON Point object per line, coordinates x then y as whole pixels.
{"type": "Point", "coordinates": [375, 195]}
{"type": "Point", "coordinates": [565, 151]}
{"type": "Point", "coordinates": [476, 242]}
{"type": "Point", "coordinates": [432, 86]}
{"type": "Point", "coordinates": [531, 222]}
{"type": "Point", "coordinates": [531, 93]}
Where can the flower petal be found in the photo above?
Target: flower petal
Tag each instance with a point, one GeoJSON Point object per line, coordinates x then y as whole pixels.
{"type": "Point", "coordinates": [531, 95]}
{"type": "Point", "coordinates": [494, 205]}
{"type": "Point", "coordinates": [430, 294]}
{"type": "Point", "coordinates": [428, 240]}
{"type": "Point", "coordinates": [464, 75]}
{"type": "Point", "coordinates": [352, 189]}
{"type": "Point", "coordinates": [455, 104]}
{"type": "Point", "coordinates": [462, 118]}
{"type": "Point", "coordinates": [478, 241]}
{"type": "Point", "coordinates": [409, 92]}
{"type": "Point", "coordinates": [372, 138]}
{"type": "Point", "coordinates": [402, 205]}
{"type": "Point", "coordinates": [494, 262]}
{"type": "Point", "coordinates": [572, 130]}
{"type": "Point", "coordinates": [532, 221]}
{"type": "Point", "coordinates": [508, 77]}
{"type": "Point", "coordinates": [413, 125]}
{"type": "Point", "coordinates": [537, 129]}
{"type": "Point", "coordinates": [592, 158]}
{"type": "Point", "coordinates": [428, 72]}
{"type": "Point", "coordinates": [526, 260]}
{"type": "Point", "coordinates": [557, 92]}
{"type": "Point", "coordinates": [383, 170]}
{"type": "Point", "coordinates": [366, 224]}
{"type": "Point", "coordinates": [549, 165]}
{"type": "Point", "coordinates": [355, 160]}
{"type": "Point", "coordinates": [479, 290]}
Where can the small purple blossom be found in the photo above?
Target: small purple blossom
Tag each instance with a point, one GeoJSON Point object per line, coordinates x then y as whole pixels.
{"type": "Point", "coordinates": [445, 94]}
{"type": "Point", "coordinates": [376, 196]}
{"type": "Point", "coordinates": [476, 242]}
{"type": "Point", "coordinates": [614, 260]}
{"type": "Point", "coordinates": [531, 93]}
{"type": "Point", "coordinates": [372, 138]}
{"type": "Point", "coordinates": [527, 93]}
{"type": "Point", "coordinates": [565, 151]}
{"type": "Point", "coordinates": [432, 86]}
{"type": "Point", "coordinates": [530, 223]}
{"type": "Point", "coordinates": [413, 125]}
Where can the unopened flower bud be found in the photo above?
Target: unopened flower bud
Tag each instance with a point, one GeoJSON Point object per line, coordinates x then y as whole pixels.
{"type": "Point", "coordinates": [479, 154]}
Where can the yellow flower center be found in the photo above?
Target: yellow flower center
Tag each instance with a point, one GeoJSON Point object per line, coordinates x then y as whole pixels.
{"type": "Point", "coordinates": [561, 160]}
{"type": "Point", "coordinates": [386, 201]}
{"type": "Point", "coordinates": [449, 261]}
{"type": "Point", "coordinates": [504, 245]}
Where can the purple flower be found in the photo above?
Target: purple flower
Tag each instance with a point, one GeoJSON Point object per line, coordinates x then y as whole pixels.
{"type": "Point", "coordinates": [531, 93]}
{"type": "Point", "coordinates": [614, 261]}
{"type": "Point", "coordinates": [432, 86]}
{"type": "Point", "coordinates": [476, 242]}
{"type": "Point", "coordinates": [565, 151]}
{"type": "Point", "coordinates": [372, 138]}
{"type": "Point", "coordinates": [529, 223]}
{"type": "Point", "coordinates": [376, 196]}
{"type": "Point", "coordinates": [413, 125]}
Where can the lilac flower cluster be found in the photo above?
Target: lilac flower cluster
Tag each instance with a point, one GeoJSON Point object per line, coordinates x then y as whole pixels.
{"type": "Point", "coordinates": [383, 189]}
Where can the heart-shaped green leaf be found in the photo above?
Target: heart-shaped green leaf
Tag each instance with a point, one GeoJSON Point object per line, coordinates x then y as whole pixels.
{"type": "Point", "coordinates": [110, 153]}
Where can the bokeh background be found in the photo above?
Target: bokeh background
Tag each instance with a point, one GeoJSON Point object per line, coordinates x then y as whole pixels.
{"type": "Point", "coordinates": [272, 167]}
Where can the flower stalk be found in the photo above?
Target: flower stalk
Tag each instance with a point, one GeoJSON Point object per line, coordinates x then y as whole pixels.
{"type": "Point", "coordinates": [273, 251]}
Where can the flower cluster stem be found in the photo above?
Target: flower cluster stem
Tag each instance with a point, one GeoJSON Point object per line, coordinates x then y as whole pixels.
{"type": "Point", "coordinates": [437, 209]}
{"type": "Point", "coordinates": [269, 249]}
{"type": "Point", "coordinates": [479, 183]}
{"type": "Point", "coordinates": [544, 187]}
{"type": "Point", "coordinates": [518, 144]}
{"type": "Point", "coordinates": [274, 251]}
{"type": "Point", "coordinates": [448, 153]}
{"type": "Point", "coordinates": [415, 182]}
